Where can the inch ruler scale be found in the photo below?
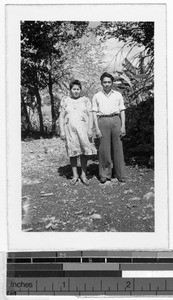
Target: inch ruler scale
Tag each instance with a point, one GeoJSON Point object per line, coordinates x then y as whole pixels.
{"type": "Point", "coordinates": [90, 273]}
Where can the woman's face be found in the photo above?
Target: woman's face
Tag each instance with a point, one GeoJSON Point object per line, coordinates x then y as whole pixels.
{"type": "Point", "coordinates": [75, 91]}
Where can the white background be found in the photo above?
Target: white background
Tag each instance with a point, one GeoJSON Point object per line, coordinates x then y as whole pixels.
{"type": "Point", "coordinates": [21, 240]}
{"type": "Point", "coordinates": [4, 246]}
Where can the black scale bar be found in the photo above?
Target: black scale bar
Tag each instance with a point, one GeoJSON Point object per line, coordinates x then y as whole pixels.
{"type": "Point", "coordinates": [18, 260]}
{"type": "Point", "coordinates": [165, 260]}
{"type": "Point", "coordinates": [34, 267]}
{"type": "Point", "coordinates": [119, 260]}
{"type": "Point", "coordinates": [57, 260]}
{"type": "Point", "coordinates": [49, 273]}
{"type": "Point", "coordinates": [93, 260]}
{"type": "Point", "coordinates": [145, 260]}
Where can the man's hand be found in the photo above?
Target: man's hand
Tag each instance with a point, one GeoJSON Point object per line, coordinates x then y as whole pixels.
{"type": "Point", "coordinates": [98, 133]}
{"type": "Point", "coordinates": [123, 131]}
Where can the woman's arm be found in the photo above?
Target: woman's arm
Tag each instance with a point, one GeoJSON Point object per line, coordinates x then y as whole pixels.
{"type": "Point", "coordinates": [90, 124]}
{"type": "Point", "coordinates": [61, 124]}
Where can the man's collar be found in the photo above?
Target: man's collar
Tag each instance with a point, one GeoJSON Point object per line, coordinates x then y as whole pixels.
{"type": "Point", "coordinates": [112, 91]}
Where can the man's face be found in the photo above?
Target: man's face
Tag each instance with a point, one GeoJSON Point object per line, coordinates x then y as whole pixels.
{"type": "Point", "coordinates": [107, 84]}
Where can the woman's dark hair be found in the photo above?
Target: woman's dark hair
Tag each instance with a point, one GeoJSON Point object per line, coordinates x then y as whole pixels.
{"type": "Point", "coordinates": [105, 74]}
{"type": "Point", "coordinates": [75, 82]}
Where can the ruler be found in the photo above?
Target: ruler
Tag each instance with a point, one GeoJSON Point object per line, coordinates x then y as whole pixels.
{"type": "Point", "coordinates": [90, 273]}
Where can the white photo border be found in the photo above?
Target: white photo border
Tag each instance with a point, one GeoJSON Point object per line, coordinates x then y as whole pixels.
{"type": "Point", "coordinates": [18, 240]}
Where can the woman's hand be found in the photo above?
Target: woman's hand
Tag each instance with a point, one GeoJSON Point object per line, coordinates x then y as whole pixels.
{"type": "Point", "coordinates": [98, 133]}
{"type": "Point", "coordinates": [62, 136]}
{"type": "Point", "coordinates": [90, 134]}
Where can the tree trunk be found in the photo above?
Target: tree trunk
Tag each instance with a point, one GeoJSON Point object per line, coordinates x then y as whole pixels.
{"type": "Point", "coordinates": [52, 104]}
{"type": "Point", "coordinates": [28, 122]}
{"type": "Point", "coordinates": [37, 94]}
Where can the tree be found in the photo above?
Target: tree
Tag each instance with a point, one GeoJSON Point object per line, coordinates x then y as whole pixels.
{"type": "Point", "coordinates": [24, 111]}
{"type": "Point", "coordinates": [85, 62]}
{"type": "Point", "coordinates": [43, 47]}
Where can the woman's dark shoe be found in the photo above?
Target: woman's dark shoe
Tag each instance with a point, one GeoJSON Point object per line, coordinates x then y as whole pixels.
{"type": "Point", "coordinates": [74, 180]}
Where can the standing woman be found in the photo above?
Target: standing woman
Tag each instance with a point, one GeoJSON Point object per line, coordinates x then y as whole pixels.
{"type": "Point", "coordinates": [75, 128]}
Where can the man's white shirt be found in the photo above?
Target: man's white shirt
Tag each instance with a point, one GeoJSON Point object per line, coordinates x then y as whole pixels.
{"type": "Point", "coordinates": [107, 104]}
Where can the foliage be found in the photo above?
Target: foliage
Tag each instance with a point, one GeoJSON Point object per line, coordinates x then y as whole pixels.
{"type": "Point", "coordinates": [136, 77]}
{"type": "Point", "coordinates": [131, 33]}
{"type": "Point", "coordinates": [140, 129]}
{"type": "Point", "coordinates": [136, 84]}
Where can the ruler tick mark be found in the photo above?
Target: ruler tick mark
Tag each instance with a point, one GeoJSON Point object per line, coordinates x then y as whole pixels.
{"type": "Point", "coordinates": [68, 284]}
{"type": "Point", "coordinates": [133, 284]}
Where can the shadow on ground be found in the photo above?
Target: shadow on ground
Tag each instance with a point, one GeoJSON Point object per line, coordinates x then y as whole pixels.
{"type": "Point", "coordinates": [92, 170]}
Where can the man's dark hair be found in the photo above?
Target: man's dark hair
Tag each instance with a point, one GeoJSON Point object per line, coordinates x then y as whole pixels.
{"type": "Point", "coordinates": [75, 82]}
{"type": "Point", "coordinates": [105, 74]}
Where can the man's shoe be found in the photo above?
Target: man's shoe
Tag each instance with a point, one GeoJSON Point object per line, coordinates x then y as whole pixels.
{"type": "Point", "coordinates": [103, 179]}
{"type": "Point", "coordinates": [122, 180]}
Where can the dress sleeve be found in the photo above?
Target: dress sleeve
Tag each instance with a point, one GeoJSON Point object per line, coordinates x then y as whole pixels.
{"type": "Point", "coordinates": [121, 103]}
{"type": "Point", "coordinates": [94, 104]}
{"type": "Point", "coordinates": [62, 105]}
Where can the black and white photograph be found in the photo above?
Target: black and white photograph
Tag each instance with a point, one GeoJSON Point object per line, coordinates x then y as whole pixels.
{"type": "Point", "coordinates": [86, 152]}
{"type": "Point", "coordinates": [89, 123]}
{"type": "Point", "coordinates": [87, 126]}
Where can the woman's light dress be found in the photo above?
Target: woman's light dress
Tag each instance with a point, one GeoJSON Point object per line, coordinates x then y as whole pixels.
{"type": "Point", "coordinates": [76, 126]}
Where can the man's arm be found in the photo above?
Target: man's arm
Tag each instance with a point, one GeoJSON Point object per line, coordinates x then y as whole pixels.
{"type": "Point", "coordinates": [123, 119]}
{"type": "Point", "coordinates": [98, 132]}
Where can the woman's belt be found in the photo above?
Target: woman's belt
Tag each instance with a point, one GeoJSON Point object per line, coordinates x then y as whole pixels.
{"type": "Point", "coordinates": [108, 116]}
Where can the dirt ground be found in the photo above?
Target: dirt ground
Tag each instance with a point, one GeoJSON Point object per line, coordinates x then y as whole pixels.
{"type": "Point", "coordinates": [50, 203]}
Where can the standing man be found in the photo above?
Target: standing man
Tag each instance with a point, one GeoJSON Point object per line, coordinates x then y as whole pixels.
{"type": "Point", "coordinates": [109, 119]}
